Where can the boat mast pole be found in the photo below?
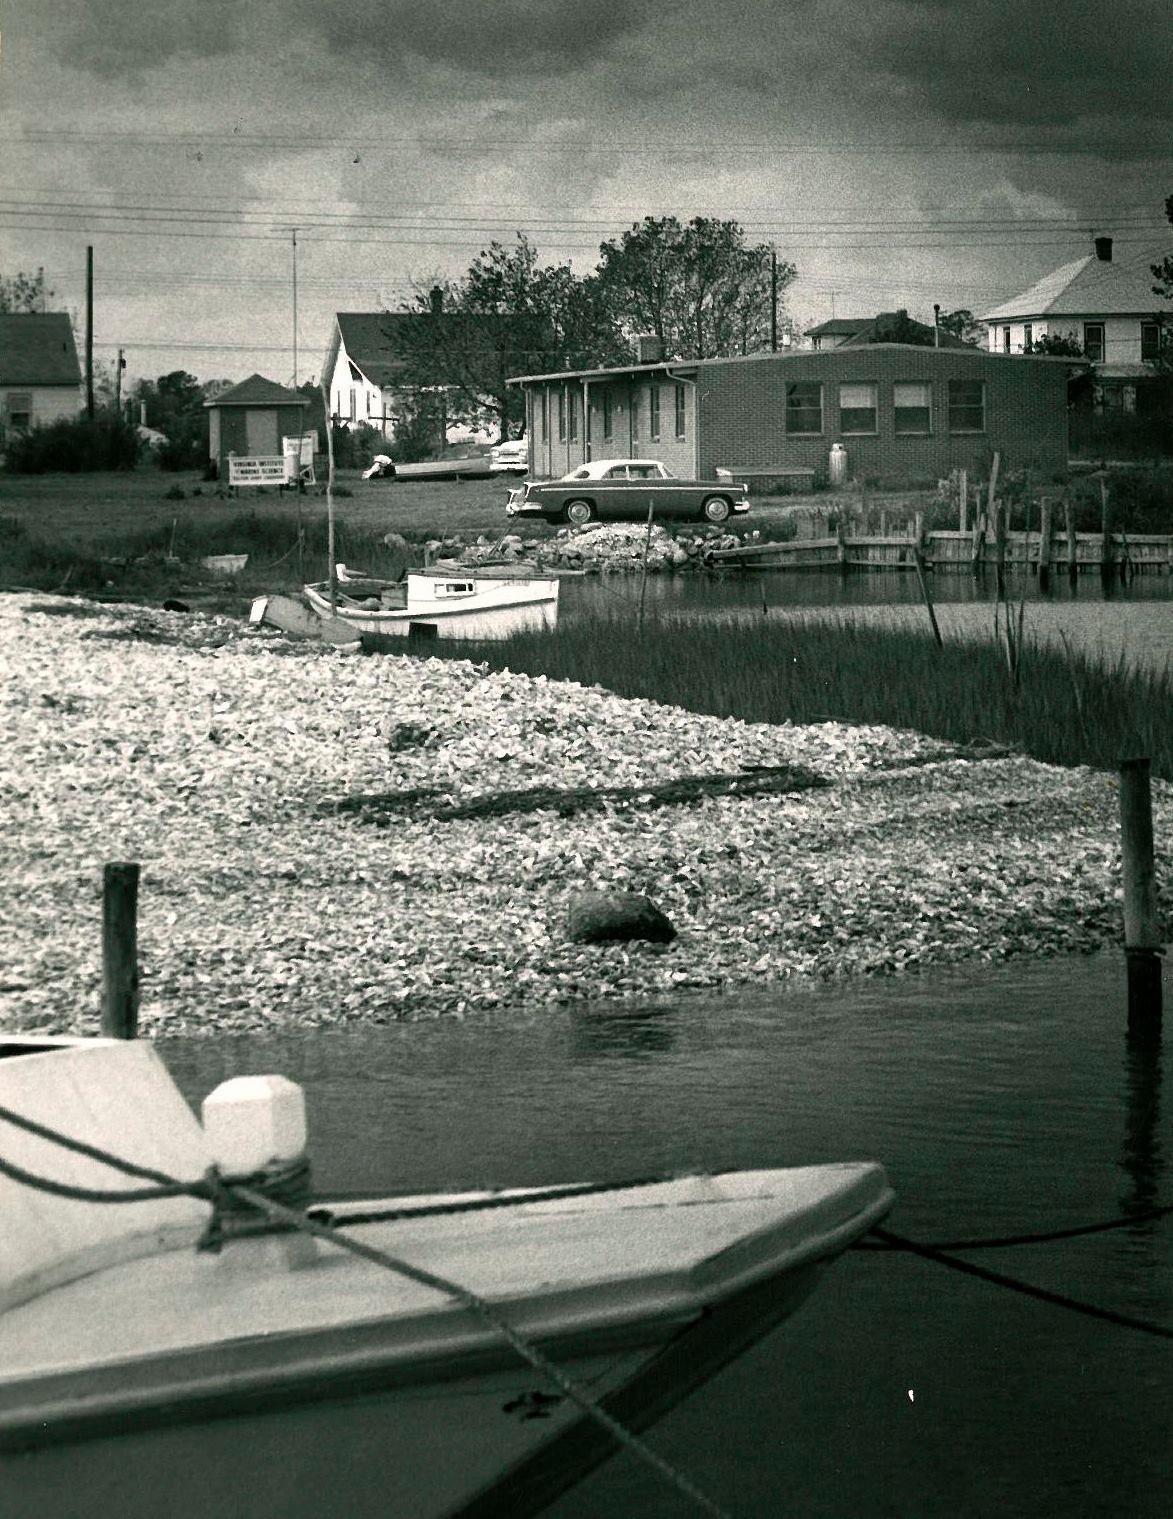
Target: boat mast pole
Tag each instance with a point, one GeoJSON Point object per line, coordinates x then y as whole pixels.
{"type": "Point", "coordinates": [333, 572]}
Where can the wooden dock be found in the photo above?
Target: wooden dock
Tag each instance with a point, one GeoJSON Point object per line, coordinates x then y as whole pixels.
{"type": "Point", "coordinates": [1054, 552]}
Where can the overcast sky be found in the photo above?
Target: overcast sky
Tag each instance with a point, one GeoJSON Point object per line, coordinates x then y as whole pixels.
{"type": "Point", "coordinates": [898, 153]}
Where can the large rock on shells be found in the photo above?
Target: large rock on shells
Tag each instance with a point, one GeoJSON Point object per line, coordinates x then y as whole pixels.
{"type": "Point", "coordinates": [597, 916]}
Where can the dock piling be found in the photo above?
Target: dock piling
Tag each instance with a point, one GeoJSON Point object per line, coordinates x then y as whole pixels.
{"type": "Point", "coordinates": [120, 984]}
{"type": "Point", "coordinates": [1142, 925]}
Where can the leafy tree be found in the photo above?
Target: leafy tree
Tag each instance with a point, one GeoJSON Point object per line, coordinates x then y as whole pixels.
{"type": "Point", "coordinates": [700, 287]}
{"type": "Point", "coordinates": [22, 292]}
{"type": "Point", "coordinates": [964, 325]}
{"type": "Point", "coordinates": [1058, 345]}
{"type": "Point", "coordinates": [1164, 270]}
{"type": "Point", "coordinates": [175, 406]}
{"type": "Point", "coordinates": [506, 316]}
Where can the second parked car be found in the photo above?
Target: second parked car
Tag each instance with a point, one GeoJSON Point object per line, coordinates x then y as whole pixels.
{"type": "Point", "coordinates": [622, 490]}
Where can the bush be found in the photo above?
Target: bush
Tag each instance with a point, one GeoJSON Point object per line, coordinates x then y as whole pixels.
{"type": "Point", "coordinates": [180, 454]}
{"type": "Point", "coordinates": [354, 446]}
{"type": "Point", "coordinates": [74, 446]}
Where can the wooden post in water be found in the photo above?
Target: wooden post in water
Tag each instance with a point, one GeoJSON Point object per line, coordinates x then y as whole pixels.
{"type": "Point", "coordinates": [1001, 518]}
{"type": "Point", "coordinates": [643, 579]}
{"type": "Point", "coordinates": [841, 546]}
{"type": "Point", "coordinates": [120, 951]}
{"type": "Point", "coordinates": [977, 560]}
{"type": "Point", "coordinates": [1142, 923]}
{"type": "Point", "coordinates": [1044, 562]}
{"type": "Point", "coordinates": [1072, 544]}
{"type": "Point", "coordinates": [1105, 532]}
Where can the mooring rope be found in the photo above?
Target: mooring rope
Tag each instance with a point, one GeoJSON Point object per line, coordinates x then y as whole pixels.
{"type": "Point", "coordinates": [214, 1187]}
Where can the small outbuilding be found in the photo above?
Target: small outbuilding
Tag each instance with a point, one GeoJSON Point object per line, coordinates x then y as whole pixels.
{"type": "Point", "coordinates": [40, 378]}
{"type": "Point", "coordinates": [251, 420]}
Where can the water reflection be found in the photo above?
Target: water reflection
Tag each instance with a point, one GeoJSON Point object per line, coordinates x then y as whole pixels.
{"type": "Point", "coordinates": [1141, 1151]}
{"type": "Point", "coordinates": [625, 1035]}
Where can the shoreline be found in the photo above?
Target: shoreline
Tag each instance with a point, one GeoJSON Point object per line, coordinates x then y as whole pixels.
{"type": "Point", "coordinates": [212, 753]}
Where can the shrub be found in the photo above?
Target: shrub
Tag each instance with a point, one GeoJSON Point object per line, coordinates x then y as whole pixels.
{"type": "Point", "coordinates": [176, 493]}
{"type": "Point", "coordinates": [74, 445]}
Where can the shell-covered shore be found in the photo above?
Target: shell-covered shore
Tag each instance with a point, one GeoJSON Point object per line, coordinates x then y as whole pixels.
{"type": "Point", "coordinates": [215, 755]}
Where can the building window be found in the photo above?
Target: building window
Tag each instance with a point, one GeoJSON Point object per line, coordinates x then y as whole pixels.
{"type": "Point", "coordinates": [804, 407]}
{"type": "Point", "coordinates": [545, 415]}
{"type": "Point", "coordinates": [608, 420]}
{"type": "Point", "coordinates": [574, 416]}
{"type": "Point", "coordinates": [1150, 342]}
{"type": "Point", "coordinates": [913, 409]}
{"type": "Point", "coordinates": [1093, 341]}
{"type": "Point", "coordinates": [1006, 340]}
{"type": "Point", "coordinates": [18, 406]}
{"type": "Point", "coordinates": [680, 411]}
{"type": "Point", "coordinates": [967, 406]}
{"type": "Point", "coordinates": [562, 416]}
{"type": "Point", "coordinates": [654, 412]}
{"type": "Point", "coordinates": [857, 409]}
{"type": "Point", "coordinates": [1028, 338]}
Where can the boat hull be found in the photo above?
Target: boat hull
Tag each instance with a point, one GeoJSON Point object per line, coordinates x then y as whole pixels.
{"type": "Point", "coordinates": [458, 606]}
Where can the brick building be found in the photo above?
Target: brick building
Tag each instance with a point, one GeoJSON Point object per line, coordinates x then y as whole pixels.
{"type": "Point", "coordinates": [903, 413]}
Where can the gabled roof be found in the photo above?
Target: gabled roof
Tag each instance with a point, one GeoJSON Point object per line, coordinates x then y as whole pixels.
{"type": "Point", "coordinates": [38, 349]}
{"type": "Point", "coordinates": [257, 391]}
{"type": "Point", "coordinates": [839, 327]}
{"type": "Point", "coordinates": [886, 326]}
{"type": "Point", "coordinates": [1088, 286]}
{"type": "Point", "coordinates": [382, 345]}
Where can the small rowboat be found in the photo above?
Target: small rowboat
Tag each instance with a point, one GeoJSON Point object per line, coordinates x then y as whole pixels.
{"type": "Point", "coordinates": [464, 467]}
{"type": "Point", "coordinates": [424, 1357]}
{"type": "Point", "coordinates": [442, 605]}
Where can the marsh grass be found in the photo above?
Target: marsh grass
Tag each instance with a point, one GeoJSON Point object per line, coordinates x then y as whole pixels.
{"type": "Point", "coordinates": [1061, 708]}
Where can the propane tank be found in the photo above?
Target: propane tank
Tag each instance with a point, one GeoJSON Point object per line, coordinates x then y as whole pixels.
{"type": "Point", "coordinates": [838, 466]}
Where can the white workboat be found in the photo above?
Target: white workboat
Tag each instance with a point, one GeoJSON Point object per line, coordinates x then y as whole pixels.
{"type": "Point", "coordinates": [283, 1376]}
{"type": "Point", "coordinates": [442, 604]}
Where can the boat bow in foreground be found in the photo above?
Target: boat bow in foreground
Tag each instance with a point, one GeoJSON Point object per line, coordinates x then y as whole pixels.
{"type": "Point", "coordinates": [142, 1374]}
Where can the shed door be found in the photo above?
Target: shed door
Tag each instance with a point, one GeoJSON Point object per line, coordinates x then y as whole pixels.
{"type": "Point", "coordinates": [261, 433]}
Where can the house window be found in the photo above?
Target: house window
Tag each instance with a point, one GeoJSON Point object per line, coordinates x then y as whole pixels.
{"type": "Point", "coordinates": [562, 416]}
{"type": "Point", "coordinates": [1150, 342]}
{"type": "Point", "coordinates": [1006, 340]}
{"type": "Point", "coordinates": [1093, 341]}
{"type": "Point", "coordinates": [1028, 338]}
{"type": "Point", "coordinates": [804, 406]}
{"type": "Point", "coordinates": [913, 409]}
{"type": "Point", "coordinates": [18, 406]}
{"type": "Point", "coordinates": [607, 417]}
{"type": "Point", "coordinates": [967, 406]}
{"type": "Point", "coordinates": [573, 416]}
{"type": "Point", "coordinates": [857, 408]}
{"type": "Point", "coordinates": [654, 412]}
{"type": "Point", "coordinates": [545, 415]}
{"type": "Point", "coordinates": [680, 411]}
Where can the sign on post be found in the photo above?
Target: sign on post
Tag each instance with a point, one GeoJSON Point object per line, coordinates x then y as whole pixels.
{"type": "Point", "coordinates": [267, 471]}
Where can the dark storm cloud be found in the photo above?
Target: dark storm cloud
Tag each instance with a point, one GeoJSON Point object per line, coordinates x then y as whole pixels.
{"type": "Point", "coordinates": [484, 37]}
{"type": "Point", "coordinates": [490, 37]}
{"type": "Point", "coordinates": [1011, 62]}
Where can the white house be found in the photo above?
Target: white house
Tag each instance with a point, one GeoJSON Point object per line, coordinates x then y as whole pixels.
{"type": "Point", "coordinates": [1110, 309]}
{"type": "Point", "coordinates": [40, 378]}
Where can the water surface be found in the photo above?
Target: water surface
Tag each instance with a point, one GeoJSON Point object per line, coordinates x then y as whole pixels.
{"type": "Point", "coordinates": [1000, 1099]}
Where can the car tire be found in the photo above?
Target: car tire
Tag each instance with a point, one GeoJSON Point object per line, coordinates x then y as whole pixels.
{"type": "Point", "coordinates": [578, 512]}
{"type": "Point", "coordinates": [715, 508]}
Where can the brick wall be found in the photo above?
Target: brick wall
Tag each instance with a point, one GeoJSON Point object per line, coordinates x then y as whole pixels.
{"type": "Point", "coordinates": [743, 403]}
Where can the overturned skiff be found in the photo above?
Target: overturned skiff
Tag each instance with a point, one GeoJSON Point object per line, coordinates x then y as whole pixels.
{"type": "Point", "coordinates": [160, 1356]}
{"type": "Point", "coordinates": [443, 604]}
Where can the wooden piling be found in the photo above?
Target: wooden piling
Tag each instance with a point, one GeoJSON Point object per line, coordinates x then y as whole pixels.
{"type": "Point", "coordinates": [1072, 544]}
{"type": "Point", "coordinates": [1142, 924]}
{"type": "Point", "coordinates": [1044, 559]}
{"type": "Point", "coordinates": [1105, 532]}
{"type": "Point", "coordinates": [1001, 515]}
{"type": "Point", "coordinates": [120, 988]}
{"type": "Point", "coordinates": [963, 501]}
{"type": "Point", "coordinates": [841, 546]}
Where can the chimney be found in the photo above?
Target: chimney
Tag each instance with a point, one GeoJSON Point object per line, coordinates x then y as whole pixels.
{"type": "Point", "coordinates": [436, 297]}
{"type": "Point", "coordinates": [1104, 249]}
{"type": "Point", "coordinates": [650, 348]}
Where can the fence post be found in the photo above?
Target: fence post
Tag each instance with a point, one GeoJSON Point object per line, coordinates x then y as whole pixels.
{"type": "Point", "coordinates": [1045, 544]}
{"type": "Point", "coordinates": [1072, 544]}
{"type": "Point", "coordinates": [120, 990]}
{"type": "Point", "coordinates": [1105, 531]}
{"type": "Point", "coordinates": [1142, 924]}
{"type": "Point", "coordinates": [963, 493]}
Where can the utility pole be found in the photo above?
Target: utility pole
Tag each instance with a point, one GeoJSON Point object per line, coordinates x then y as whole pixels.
{"type": "Point", "coordinates": [774, 299]}
{"type": "Point", "coordinates": [89, 332]}
{"type": "Point", "coordinates": [118, 368]}
{"type": "Point", "coordinates": [295, 308]}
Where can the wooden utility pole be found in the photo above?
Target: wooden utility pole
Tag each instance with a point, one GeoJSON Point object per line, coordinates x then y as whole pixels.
{"type": "Point", "coordinates": [295, 308]}
{"type": "Point", "coordinates": [774, 299]}
{"type": "Point", "coordinates": [120, 989]}
{"type": "Point", "coordinates": [1142, 919]}
{"type": "Point", "coordinates": [89, 331]}
{"type": "Point", "coordinates": [118, 368]}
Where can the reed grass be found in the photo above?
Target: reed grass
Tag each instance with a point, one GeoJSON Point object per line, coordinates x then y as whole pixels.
{"type": "Point", "coordinates": [1061, 708]}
